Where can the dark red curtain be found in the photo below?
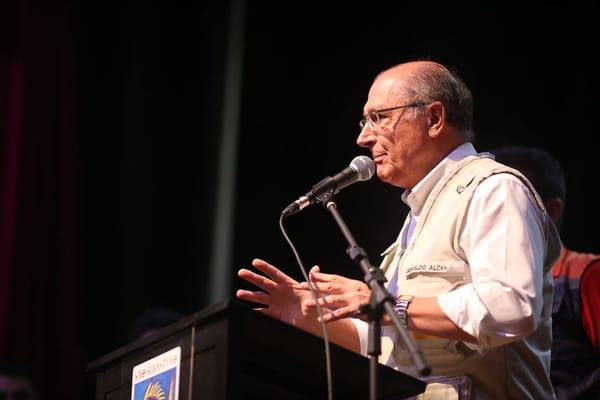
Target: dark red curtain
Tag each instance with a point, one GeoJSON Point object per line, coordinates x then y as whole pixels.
{"type": "Point", "coordinates": [39, 198]}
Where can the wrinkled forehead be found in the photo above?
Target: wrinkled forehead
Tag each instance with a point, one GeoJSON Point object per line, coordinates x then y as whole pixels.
{"type": "Point", "coordinates": [386, 90]}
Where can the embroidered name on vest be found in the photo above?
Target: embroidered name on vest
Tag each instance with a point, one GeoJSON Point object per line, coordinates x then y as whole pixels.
{"type": "Point", "coordinates": [427, 268]}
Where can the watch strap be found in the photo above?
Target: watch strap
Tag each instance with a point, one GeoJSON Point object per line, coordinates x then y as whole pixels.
{"type": "Point", "coordinates": [401, 306]}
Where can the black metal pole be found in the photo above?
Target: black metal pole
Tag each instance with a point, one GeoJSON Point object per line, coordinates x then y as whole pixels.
{"type": "Point", "coordinates": [380, 300]}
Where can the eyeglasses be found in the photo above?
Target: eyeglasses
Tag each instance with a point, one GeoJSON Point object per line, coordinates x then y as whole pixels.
{"type": "Point", "coordinates": [374, 116]}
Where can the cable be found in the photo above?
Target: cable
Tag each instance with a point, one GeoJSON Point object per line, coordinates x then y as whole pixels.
{"type": "Point", "coordinates": [319, 310]}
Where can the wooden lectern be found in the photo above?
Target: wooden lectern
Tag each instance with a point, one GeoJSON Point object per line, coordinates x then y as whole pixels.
{"type": "Point", "coordinates": [229, 351]}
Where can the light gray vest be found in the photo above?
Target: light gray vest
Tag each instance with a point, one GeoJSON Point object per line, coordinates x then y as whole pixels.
{"type": "Point", "coordinates": [433, 263]}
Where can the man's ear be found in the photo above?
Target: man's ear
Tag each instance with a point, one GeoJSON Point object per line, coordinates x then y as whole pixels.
{"type": "Point", "coordinates": [437, 118]}
{"type": "Point", "coordinates": [555, 207]}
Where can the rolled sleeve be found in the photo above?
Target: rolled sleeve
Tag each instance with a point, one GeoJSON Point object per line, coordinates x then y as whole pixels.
{"type": "Point", "coordinates": [362, 328]}
{"type": "Point", "coordinates": [504, 240]}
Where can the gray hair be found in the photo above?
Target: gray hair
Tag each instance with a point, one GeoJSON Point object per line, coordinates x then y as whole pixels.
{"type": "Point", "coordinates": [435, 82]}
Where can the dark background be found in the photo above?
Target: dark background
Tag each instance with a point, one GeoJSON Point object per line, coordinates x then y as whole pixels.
{"type": "Point", "coordinates": [160, 83]}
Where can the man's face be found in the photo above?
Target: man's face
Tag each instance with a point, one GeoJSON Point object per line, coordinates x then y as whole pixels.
{"type": "Point", "coordinates": [397, 141]}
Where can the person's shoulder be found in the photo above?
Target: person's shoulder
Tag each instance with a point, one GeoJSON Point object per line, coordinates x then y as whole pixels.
{"type": "Point", "coordinates": [578, 263]}
{"type": "Point", "coordinates": [510, 188]}
{"type": "Point", "coordinates": [485, 163]}
{"type": "Point", "coordinates": [592, 271]}
{"type": "Point", "coordinates": [484, 166]}
{"type": "Point", "coordinates": [589, 281]}
{"type": "Point", "coordinates": [505, 175]}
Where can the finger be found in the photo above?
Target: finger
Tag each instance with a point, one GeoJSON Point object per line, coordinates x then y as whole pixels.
{"type": "Point", "coordinates": [333, 302]}
{"type": "Point", "coordinates": [273, 272]}
{"type": "Point", "coordinates": [253, 296]}
{"type": "Point", "coordinates": [314, 270]}
{"type": "Point", "coordinates": [328, 301]}
{"type": "Point", "coordinates": [304, 285]}
{"type": "Point", "coordinates": [327, 316]}
{"type": "Point", "coordinates": [342, 312]}
{"type": "Point", "coordinates": [258, 280]}
{"type": "Point", "coordinates": [317, 279]}
{"type": "Point", "coordinates": [317, 276]}
{"type": "Point", "coordinates": [311, 287]}
{"type": "Point", "coordinates": [323, 302]}
{"type": "Point", "coordinates": [318, 289]}
{"type": "Point", "coordinates": [324, 288]}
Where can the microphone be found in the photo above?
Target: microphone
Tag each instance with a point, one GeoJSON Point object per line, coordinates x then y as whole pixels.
{"type": "Point", "coordinates": [361, 168]}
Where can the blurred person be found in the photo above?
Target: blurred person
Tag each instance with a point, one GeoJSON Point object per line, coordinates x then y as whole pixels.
{"type": "Point", "coordinates": [16, 383]}
{"type": "Point", "coordinates": [151, 320]}
{"type": "Point", "coordinates": [575, 363]}
{"type": "Point", "coordinates": [470, 272]}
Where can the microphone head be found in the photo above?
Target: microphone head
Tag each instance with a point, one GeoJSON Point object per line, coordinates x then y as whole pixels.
{"type": "Point", "coordinates": [364, 167]}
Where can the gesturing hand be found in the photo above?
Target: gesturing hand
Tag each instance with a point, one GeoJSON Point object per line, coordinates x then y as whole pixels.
{"type": "Point", "coordinates": [342, 296]}
{"type": "Point", "coordinates": [284, 298]}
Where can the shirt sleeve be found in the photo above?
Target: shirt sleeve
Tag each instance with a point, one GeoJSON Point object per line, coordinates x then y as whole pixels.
{"type": "Point", "coordinates": [504, 242]}
{"type": "Point", "coordinates": [589, 289]}
{"type": "Point", "coordinates": [362, 328]}
{"type": "Point", "coordinates": [389, 336]}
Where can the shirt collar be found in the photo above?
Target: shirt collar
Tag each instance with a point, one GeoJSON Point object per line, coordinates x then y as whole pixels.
{"type": "Point", "coordinates": [415, 198]}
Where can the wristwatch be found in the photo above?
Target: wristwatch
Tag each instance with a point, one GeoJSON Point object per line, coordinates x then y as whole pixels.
{"type": "Point", "coordinates": [401, 306]}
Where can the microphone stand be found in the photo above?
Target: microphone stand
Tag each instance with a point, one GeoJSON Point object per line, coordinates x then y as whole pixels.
{"type": "Point", "coordinates": [380, 300]}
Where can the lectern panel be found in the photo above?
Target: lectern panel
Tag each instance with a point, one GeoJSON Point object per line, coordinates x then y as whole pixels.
{"type": "Point", "coordinates": [229, 351]}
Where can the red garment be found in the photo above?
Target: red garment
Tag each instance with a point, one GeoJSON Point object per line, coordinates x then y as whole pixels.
{"type": "Point", "coordinates": [586, 268]}
{"type": "Point", "coordinates": [589, 288]}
